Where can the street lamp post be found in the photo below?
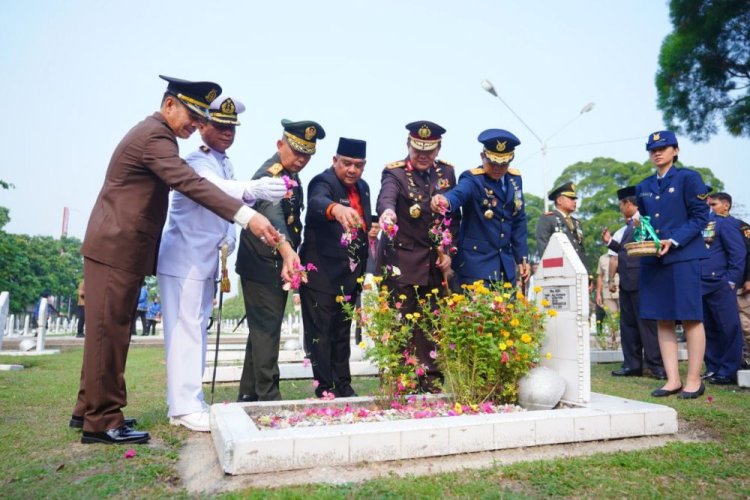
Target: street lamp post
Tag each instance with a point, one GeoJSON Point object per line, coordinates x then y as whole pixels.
{"type": "Point", "coordinates": [487, 85]}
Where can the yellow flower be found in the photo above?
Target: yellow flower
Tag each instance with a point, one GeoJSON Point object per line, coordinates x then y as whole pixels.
{"type": "Point", "coordinates": [514, 322]}
{"type": "Point", "coordinates": [510, 306]}
{"type": "Point", "coordinates": [552, 313]}
{"type": "Point", "coordinates": [510, 342]}
{"type": "Point", "coordinates": [502, 346]}
{"type": "Point", "coordinates": [526, 338]}
{"type": "Point", "coordinates": [537, 289]}
{"type": "Point", "coordinates": [458, 408]}
{"type": "Point", "coordinates": [435, 291]}
{"type": "Point", "coordinates": [545, 302]}
{"type": "Point", "coordinates": [548, 355]}
{"type": "Point", "coordinates": [409, 316]}
{"type": "Point", "coordinates": [507, 285]}
{"type": "Point", "coordinates": [519, 294]}
{"type": "Point", "coordinates": [339, 299]}
{"type": "Point", "coordinates": [402, 297]}
{"type": "Point", "coordinates": [362, 344]}
{"type": "Point", "coordinates": [417, 315]}
{"type": "Point", "coordinates": [505, 333]}
{"type": "Point", "coordinates": [361, 279]}
{"type": "Point", "coordinates": [474, 407]}
{"type": "Point", "coordinates": [377, 279]}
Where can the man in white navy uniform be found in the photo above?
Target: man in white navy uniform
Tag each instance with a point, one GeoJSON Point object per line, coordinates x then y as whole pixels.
{"type": "Point", "coordinates": [188, 258]}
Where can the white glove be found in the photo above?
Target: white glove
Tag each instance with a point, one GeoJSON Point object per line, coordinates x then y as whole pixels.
{"type": "Point", "coordinates": [388, 215]}
{"type": "Point", "coordinates": [266, 188]}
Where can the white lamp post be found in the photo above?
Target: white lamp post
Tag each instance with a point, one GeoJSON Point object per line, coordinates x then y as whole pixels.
{"type": "Point", "coordinates": [487, 85]}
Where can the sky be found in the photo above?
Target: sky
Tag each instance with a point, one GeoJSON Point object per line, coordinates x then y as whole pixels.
{"type": "Point", "coordinates": [77, 75]}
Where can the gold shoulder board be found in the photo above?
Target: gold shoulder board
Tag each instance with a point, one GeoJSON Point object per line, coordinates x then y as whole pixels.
{"type": "Point", "coordinates": [514, 171]}
{"type": "Point", "coordinates": [275, 169]}
{"type": "Point", "coordinates": [477, 171]}
{"type": "Point", "coordinates": [396, 164]}
{"type": "Point", "coordinates": [439, 160]}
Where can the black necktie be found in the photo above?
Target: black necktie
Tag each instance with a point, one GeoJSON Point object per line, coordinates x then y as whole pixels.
{"type": "Point", "coordinates": [658, 181]}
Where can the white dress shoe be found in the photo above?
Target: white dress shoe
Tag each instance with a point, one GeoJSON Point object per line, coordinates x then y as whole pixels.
{"type": "Point", "coordinates": [197, 421]}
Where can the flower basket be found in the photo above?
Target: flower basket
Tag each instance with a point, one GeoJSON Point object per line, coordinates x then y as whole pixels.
{"type": "Point", "coordinates": [642, 248]}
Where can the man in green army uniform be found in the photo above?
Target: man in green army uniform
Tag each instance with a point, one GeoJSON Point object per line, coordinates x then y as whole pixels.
{"type": "Point", "coordinates": [262, 269]}
{"type": "Point", "coordinates": [560, 220]}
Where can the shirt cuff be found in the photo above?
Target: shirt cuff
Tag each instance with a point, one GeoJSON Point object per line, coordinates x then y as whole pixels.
{"type": "Point", "coordinates": [674, 243]}
{"type": "Point", "coordinates": [243, 216]}
{"type": "Point", "coordinates": [248, 199]}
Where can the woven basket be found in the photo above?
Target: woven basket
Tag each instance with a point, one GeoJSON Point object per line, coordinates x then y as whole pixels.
{"type": "Point", "coordinates": [641, 248]}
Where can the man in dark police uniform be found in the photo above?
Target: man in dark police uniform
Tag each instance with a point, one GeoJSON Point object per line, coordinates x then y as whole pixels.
{"type": "Point", "coordinates": [264, 269]}
{"type": "Point", "coordinates": [407, 187]}
{"type": "Point", "coordinates": [492, 237]}
{"type": "Point", "coordinates": [338, 205]}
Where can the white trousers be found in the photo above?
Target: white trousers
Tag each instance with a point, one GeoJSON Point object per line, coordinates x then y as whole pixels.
{"type": "Point", "coordinates": [186, 308]}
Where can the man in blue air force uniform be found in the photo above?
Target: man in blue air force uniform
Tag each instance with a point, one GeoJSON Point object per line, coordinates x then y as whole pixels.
{"type": "Point", "coordinates": [492, 237]}
{"type": "Point", "coordinates": [720, 274]}
{"type": "Point", "coordinates": [338, 201]}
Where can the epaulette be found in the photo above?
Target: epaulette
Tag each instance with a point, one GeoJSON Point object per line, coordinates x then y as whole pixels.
{"type": "Point", "coordinates": [439, 160]}
{"type": "Point", "coordinates": [275, 169]}
{"type": "Point", "coordinates": [396, 164]}
{"type": "Point", "coordinates": [514, 171]}
{"type": "Point", "coordinates": [205, 149]}
{"type": "Point", "coordinates": [702, 197]}
{"type": "Point", "coordinates": [477, 171]}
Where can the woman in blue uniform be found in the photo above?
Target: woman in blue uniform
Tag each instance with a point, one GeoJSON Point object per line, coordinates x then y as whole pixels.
{"type": "Point", "coordinates": [675, 201]}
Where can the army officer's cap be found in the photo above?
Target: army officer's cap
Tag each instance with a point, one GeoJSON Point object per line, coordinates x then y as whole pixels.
{"type": "Point", "coordinates": [197, 96]}
{"type": "Point", "coordinates": [224, 110]}
{"type": "Point", "coordinates": [302, 136]}
{"type": "Point", "coordinates": [498, 145]}
{"type": "Point", "coordinates": [424, 135]}
{"type": "Point", "coordinates": [661, 139]}
{"type": "Point", "coordinates": [626, 192]}
{"type": "Point", "coordinates": [568, 190]}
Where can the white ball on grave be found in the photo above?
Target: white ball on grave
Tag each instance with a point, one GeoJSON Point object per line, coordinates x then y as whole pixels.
{"type": "Point", "coordinates": [26, 345]}
{"type": "Point", "coordinates": [292, 345]}
{"type": "Point", "coordinates": [357, 354]}
{"type": "Point", "coordinates": [540, 389]}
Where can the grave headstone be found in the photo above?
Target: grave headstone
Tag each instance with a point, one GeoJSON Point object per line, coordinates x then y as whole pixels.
{"type": "Point", "coordinates": [4, 306]}
{"type": "Point", "coordinates": [564, 282]}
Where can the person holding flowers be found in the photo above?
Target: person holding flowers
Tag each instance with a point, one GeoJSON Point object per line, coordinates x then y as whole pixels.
{"type": "Point", "coordinates": [492, 237]}
{"type": "Point", "coordinates": [264, 270]}
{"type": "Point", "coordinates": [423, 265]}
{"type": "Point", "coordinates": [336, 241]}
{"type": "Point", "coordinates": [674, 200]}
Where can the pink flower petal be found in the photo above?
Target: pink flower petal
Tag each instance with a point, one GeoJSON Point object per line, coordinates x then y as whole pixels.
{"type": "Point", "coordinates": [129, 454]}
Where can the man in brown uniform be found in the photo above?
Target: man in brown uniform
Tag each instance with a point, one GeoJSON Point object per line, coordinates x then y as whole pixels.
{"type": "Point", "coordinates": [407, 187]}
{"type": "Point", "coordinates": [121, 244]}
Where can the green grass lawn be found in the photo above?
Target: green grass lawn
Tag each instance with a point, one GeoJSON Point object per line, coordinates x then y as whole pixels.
{"type": "Point", "coordinates": [41, 457]}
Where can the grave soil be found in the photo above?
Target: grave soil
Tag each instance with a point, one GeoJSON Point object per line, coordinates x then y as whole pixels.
{"type": "Point", "coordinates": [200, 472]}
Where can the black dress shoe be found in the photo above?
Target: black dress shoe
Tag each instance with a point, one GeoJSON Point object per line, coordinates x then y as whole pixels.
{"type": "Point", "coordinates": [77, 422]}
{"type": "Point", "coordinates": [345, 391]}
{"type": "Point", "coordinates": [719, 380]}
{"type": "Point", "coordinates": [657, 374]}
{"type": "Point", "coordinates": [660, 393]}
{"type": "Point", "coordinates": [627, 372]}
{"type": "Point", "coordinates": [246, 398]}
{"type": "Point", "coordinates": [707, 374]}
{"type": "Point", "coordinates": [693, 395]}
{"type": "Point", "coordinates": [121, 435]}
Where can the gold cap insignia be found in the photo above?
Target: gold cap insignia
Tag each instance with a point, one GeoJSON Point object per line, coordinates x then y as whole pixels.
{"type": "Point", "coordinates": [212, 94]}
{"type": "Point", "coordinates": [656, 136]}
{"type": "Point", "coordinates": [573, 187]}
{"type": "Point", "coordinates": [500, 146]}
{"type": "Point", "coordinates": [488, 214]}
{"type": "Point", "coordinates": [310, 132]}
{"type": "Point", "coordinates": [424, 132]}
{"type": "Point", "coordinates": [228, 106]}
